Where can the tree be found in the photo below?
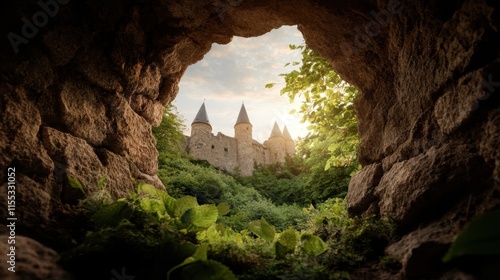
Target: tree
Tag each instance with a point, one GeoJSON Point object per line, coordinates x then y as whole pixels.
{"type": "Point", "coordinates": [169, 135]}
{"type": "Point", "coordinates": [330, 149]}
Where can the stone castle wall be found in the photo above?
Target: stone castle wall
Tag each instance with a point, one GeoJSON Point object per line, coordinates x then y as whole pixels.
{"type": "Point", "coordinates": [276, 147]}
{"type": "Point", "coordinates": [232, 153]}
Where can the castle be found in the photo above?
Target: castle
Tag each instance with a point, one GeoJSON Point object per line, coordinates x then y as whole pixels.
{"type": "Point", "coordinates": [240, 152]}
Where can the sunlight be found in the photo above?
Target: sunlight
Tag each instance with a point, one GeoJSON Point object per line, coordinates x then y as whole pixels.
{"type": "Point", "coordinates": [237, 72]}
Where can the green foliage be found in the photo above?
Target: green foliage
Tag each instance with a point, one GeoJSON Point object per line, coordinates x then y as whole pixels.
{"type": "Point", "coordinates": [102, 181]}
{"type": "Point", "coordinates": [209, 186]}
{"type": "Point", "coordinates": [112, 214]}
{"type": "Point", "coordinates": [75, 184]}
{"type": "Point", "coordinates": [479, 237]}
{"type": "Point", "coordinates": [330, 149]}
{"type": "Point", "coordinates": [281, 183]}
{"type": "Point", "coordinates": [201, 216]}
{"type": "Point", "coordinates": [223, 208]}
{"type": "Point", "coordinates": [169, 136]}
{"type": "Point", "coordinates": [354, 240]}
{"type": "Point", "coordinates": [183, 204]}
{"type": "Point", "coordinates": [312, 244]}
{"type": "Point", "coordinates": [286, 243]}
{"type": "Point", "coordinates": [206, 270]}
{"type": "Point", "coordinates": [262, 229]}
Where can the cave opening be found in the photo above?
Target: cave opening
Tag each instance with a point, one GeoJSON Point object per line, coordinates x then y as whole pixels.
{"type": "Point", "coordinates": [84, 82]}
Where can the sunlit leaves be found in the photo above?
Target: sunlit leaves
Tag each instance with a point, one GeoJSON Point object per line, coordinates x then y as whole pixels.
{"type": "Point", "coordinates": [262, 229]}
{"type": "Point", "coordinates": [312, 244]}
{"type": "Point", "coordinates": [327, 106]}
{"type": "Point", "coordinates": [183, 204]}
{"type": "Point", "coordinates": [201, 216]}
{"type": "Point", "coordinates": [286, 243]}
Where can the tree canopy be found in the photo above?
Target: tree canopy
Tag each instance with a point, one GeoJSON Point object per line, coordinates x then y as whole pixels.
{"type": "Point", "coordinates": [330, 149]}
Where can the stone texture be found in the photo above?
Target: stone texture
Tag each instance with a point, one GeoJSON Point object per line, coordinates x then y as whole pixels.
{"type": "Point", "coordinates": [75, 158]}
{"type": "Point", "coordinates": [414, 189]}
{"type": "Point", "coordinates": [83, 112]}
{"type": "Point", "coordinates": [118, 175]}
{"type": "Point", "coordinates": [34, 261]}
{"type": "Point", "coordinates": [421, 251]}
{"type": "Point", "coordinates": [427, 71]}
{"type": "Point", "coordinates": [361, 187]}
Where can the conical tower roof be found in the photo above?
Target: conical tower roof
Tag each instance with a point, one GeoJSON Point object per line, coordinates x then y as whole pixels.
{"type": "Point", "coordinates": [286, 134]}
{"type": "Point", "coordinates": [276, 131]}
{"type": "Point", "coordinates": [243, 116]}
{"type": "Point", "coordinates": [202, 116]}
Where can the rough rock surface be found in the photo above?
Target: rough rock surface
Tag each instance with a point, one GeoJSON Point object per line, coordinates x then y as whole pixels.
{"type": "Point", "coordinates": [361, 188]}
{"type": "Point", "coordinates": [80, 93]}
{"type": "Point", "coordinates": [33, 261]}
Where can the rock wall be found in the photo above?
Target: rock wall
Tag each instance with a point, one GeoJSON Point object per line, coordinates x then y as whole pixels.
{"type": "Point", "coordinates": [83, 82]}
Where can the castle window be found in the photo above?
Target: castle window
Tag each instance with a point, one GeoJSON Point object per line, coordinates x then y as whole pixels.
{"type": "Point", "coordinates": [225, 149]}
{"type": "Point", "coordinates": [213, 147]}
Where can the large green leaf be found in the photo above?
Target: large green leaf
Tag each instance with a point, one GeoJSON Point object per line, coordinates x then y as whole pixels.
{"type": "Point", "coordinates": [113, 214]}
{"type": "Point", "coordinates": [199, 255]}
{"type": "Point", "coordinates": [262, 229]}
{"type": "Point", "coordinates": [286, 243]}
{"type": "Point", "coordinates": [201, 216]}
{"type": "Point", "coordinates": [479, 237]}
{"type": "Point", "coordinates": [268, 231]}
{"type": "Point", "coordinates": [183, 204]}
{"type": "Point", "coordinates": [288, 239]}
{"type": "Point", "coordinates": [152, 205]}
{"type": "Point", "coordinates": [169, 203]}
{"type": "Point", "coordinates": [311, 244]}
{"type": "Point", "coordinates": [223, 208]}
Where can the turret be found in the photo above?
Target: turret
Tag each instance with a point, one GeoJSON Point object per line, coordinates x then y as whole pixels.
{"type": "Point", "coordinates": [243, 135]}
{"type": "Point", "coordinates": [276, 145]}
{"type": "Point", "coordinates": [289, 144]}
{"type": "Point", "coordinates": [201, 132]}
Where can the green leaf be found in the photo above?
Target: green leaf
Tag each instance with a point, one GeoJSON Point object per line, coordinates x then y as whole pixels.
{"type": "Point", "coordinates": [479, 237]}
{"type": "Point", "coordinates": [286, 243]}
{"type": "Point", "coordinates": [169, 203]}
{"type": "Point", "coordinates": [112, 214]}
{"type": "Point", "coordinates": [288, 238]}
{"type": "Point", "coordinates": [183, 204]}
{"type": "Point", "coordinates": [223, 208]}
{"type": "Point", "coordinates": [201, 216]}
{"type": "Point", "coordinates": [206, 270]}
{"type": "Point", "coordinates": [312, 245]}
{"type": "Point", "coordinates": [153, 206]}
{"type": "Point", "coordinates": [102, 181]}
{"type": "Point", "coordinates": [270, 85]}
{"type": "Point", "coordinates": [150, 190]}
{"type": "Point", "coordinates": [268, 230]}
{"type": "Point", "coordinates": [199, 255]}
{"type": "Point", "coordinates": [74, 183]}
{"type": "Point", "coordinates": [262, 229]}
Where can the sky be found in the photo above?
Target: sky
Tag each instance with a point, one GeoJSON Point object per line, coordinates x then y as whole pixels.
{"type": "Point", "coordinates": [238, 72]}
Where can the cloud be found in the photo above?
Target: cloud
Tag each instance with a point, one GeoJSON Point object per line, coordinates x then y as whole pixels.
{"type": "Point", "coordinates": [236, 72]}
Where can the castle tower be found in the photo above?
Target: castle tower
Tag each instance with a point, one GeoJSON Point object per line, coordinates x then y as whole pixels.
{"type": "Point", "coordinates": [243, 135]}
{"type": "Point", "coordinates": [276, 145]}
{"type": "Point", "coordinates": [201, 132]}
{"type": "Point", "coordinates": [289, 144]}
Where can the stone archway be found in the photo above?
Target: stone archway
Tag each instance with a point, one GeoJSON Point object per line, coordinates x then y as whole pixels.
{"type": "Point", "coordinates": [84, 82]}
